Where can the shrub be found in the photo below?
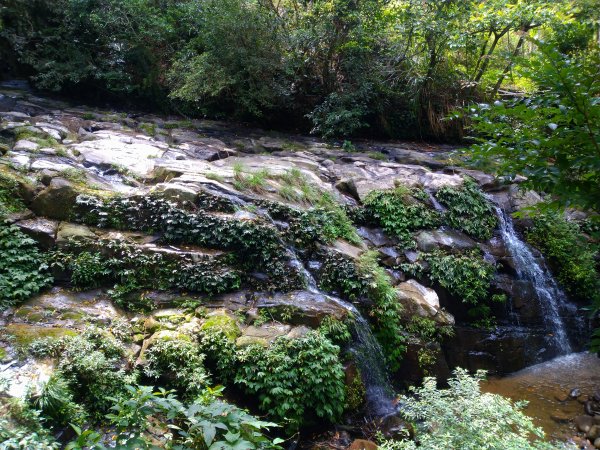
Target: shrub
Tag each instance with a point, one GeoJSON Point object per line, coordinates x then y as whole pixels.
{"type": "Point", "coordinates": [295, 379]}
{"type": "Point", "coordinates": [569, 254]}
{"type": "Point", "coordinates": [208, 422]}
{"type": "Point", "coordinates": [178, 360]}
{"type": "Point", "coordinates": [400, 212]}
{"type": "Point", "coordinates": [220, 353]}
{"type": "Point", "coordinates": [467, 276]}
{"type": "Point", "coordinates": [464, 417]}
{"type": "Point", "coordinates": [56, 402]}
{"type": "Point", "coordinates": [23, 269]}
{"type": "Point", "coordinates": [387, 310]}
{"type": "Point", "coordinates": [468, 209]}
{"type": "Point", "coordinates": [93, 367]}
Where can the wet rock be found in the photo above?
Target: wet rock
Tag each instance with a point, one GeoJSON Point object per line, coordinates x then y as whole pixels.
{"type": "Point", "coordinates": [375, 236]}
{"type": "Point", "coordinates": [350, 250]}
{"type": "Point", "coordinates": [428, 240]}
{"type": "Point", "coordinates": [560, 417]}
{"type": "Point", "coordinates": [593, 433]}
{"type": "Point", "coordinates": [583, 423]}
{"type": "Point", "coordinates": [41, 164]}
{"type": "Point", "coordinates": [46, 176]}
{"type": "Point", "coordinates": [41, 230]}
{"type": "Point", "coordinates": [523, 199]}
{"type": "Point", "coordinates": [575, 393]}
{"type": "Point", "coordinates": [362, 444]}
{"type": "Point", "coordinates": [561, 396]}
{"type": "Point", "coordinates": [393, 427]}
{"type": "Point", "coordinates": [70, 231]}
{"type": "Point", "coordinates": [56, 201]}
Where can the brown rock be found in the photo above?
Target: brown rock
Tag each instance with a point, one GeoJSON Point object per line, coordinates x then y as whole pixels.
{"type": "Point", "coordinates": [363, 444]}
{"type": "Point", "coordinates": [594, 433]}
{"type": "Point", "coordinates": [583, 423]}
{"type": "Point", "coordinates": [560, 417]}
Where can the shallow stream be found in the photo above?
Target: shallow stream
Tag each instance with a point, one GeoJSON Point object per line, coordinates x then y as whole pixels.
{"type": "Point", "coordinates": [544, 384]}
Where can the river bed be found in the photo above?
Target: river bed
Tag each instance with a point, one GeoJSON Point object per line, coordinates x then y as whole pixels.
{"type": "Point", "coordinates": [543, 384]}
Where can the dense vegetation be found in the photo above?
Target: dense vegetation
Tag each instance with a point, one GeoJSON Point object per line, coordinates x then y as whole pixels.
{"type": "Point", "coordinates": [336, 67]}
{"type": "Point", "coordinates": [521, 76]}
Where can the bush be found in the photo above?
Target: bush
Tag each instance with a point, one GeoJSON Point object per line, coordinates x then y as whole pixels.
{"type": "Point", "coordinates": [23, 269]}
{"type": "Point", "coordinates": [571, 257]}
{"type": "Point", "coordinates": [400, 212]}
{"type": "Point", "coordinates": [179, 361]}
{"type": "Point", "coordinates": [298, 380]}
{"type": "Point", "coordinates": [466, 276]}
{"type": "Point", "coordinates": [468, 209]}
{"type": "Point", "coordinates": [207, 422]}
{"type": "Point", "coordinates": [463, 417]}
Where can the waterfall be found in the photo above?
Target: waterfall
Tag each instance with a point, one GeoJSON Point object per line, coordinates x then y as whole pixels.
{"type": "Point", "coordinates": [551, 298]}
{"type": "Point", "coordinates": [368, 354]}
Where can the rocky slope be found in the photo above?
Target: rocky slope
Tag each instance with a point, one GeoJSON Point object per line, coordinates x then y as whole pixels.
{"type": "Point", "coordinates": [244, 221]}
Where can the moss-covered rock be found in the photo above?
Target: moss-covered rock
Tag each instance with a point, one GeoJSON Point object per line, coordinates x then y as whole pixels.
{"type": "Point", "coordinates": [25, 334]}
{"type": "Point", "coordinates": [221, 320]}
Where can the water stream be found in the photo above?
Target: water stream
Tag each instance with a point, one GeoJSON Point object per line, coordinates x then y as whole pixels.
{"type": "Point", "coordinates": [368, 354]}
{"type": "Point", "coordinates": [551, 298]}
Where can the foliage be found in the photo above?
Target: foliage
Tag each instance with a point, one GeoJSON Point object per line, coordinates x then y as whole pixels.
{"type": "Point", "coordinates": [178, 360]}
{"type": "Point", "coordinates": [55, 402]}
{"type": "Point", "coordinates": [220, 353]}
{"type": "Point", "coordinates": [206, 423]}
{"type": "Point", "coordinates": [257, 246]}
{"type": "Point", "coordinates": [337, 331]}
{"type": "Point", "coordinates": [131, 270]}
{"type": "Point", "coordinates": [468, 209]}
{"type": "Point", "coordinates": [10, 201]}
{"type": "Point", "coordinates": [461, 416]}
{"type": "Point", "coordinates": [23, 269]}
{"type": "Point", "coordinates": [92, 367]}
{"type": "Point", "coordinates": [339, 68]}
{"type": "Point", "coordinates": [552, 137]}
{"type": "Point", "coordinates": [297, 380]}
{"type": "Point", "coordinates": [400, 212]}
{"type": "Point", "coordinates": [368, 280]}
{"type": "Point", "coordinates": [387, 309]}
{"type": "Point", "coordinates": [569, 253]}
{"type": "Point", "coordinates": [467, 276]}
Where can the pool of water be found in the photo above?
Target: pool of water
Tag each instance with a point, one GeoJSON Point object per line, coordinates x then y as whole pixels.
{"type": "Point", "coordinates": [543, 384]}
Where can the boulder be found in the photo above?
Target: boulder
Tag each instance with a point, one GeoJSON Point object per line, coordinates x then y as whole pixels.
{"type": "Point", "coordinates": [70, 231]}
{"type": "Point", "coordinates": [177, 192]}
{"type": "Point", "coordinates": [428, 240]}
{"type": "Point", "coordinates": [41, 230]}
{"type": "Point", "coordinates": [56, 201]}
{"type": "Point", "coordinates": [422, 301]}
{"type": "Point", "coordinates": [262, 335]}
{"type": "Point", "coordinates": [25, 145]}
{"type": "Point", "coordinates": [584, 423]}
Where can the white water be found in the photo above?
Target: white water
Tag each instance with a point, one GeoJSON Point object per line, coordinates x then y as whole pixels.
{"type": "Point", "coordinates": [549, 295]}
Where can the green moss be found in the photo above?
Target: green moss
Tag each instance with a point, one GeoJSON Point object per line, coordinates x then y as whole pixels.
{"type": "Point", "coordinates": [355, 393]}
{"type": "Point", "coordinates": [223, 322]}
{"type": "Point", "coordinates": [26, 334]}
{"type": "Point", "coordinates": [2, 353]}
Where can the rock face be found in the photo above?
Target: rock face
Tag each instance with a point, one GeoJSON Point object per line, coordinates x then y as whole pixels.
{"type": "Point", "coordinates": [56, 201]}
{"type": "Point", "coordinates": [219, 175]}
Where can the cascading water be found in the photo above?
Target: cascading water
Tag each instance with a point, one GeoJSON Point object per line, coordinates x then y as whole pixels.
{"type": "Point", "coordinates": [366, 349]}
{"type": "Point", "coordinates": [552, 299]}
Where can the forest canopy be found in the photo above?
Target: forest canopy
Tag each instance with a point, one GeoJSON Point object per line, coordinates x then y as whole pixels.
{"type": "Point", "coordinates": [392, 68]}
